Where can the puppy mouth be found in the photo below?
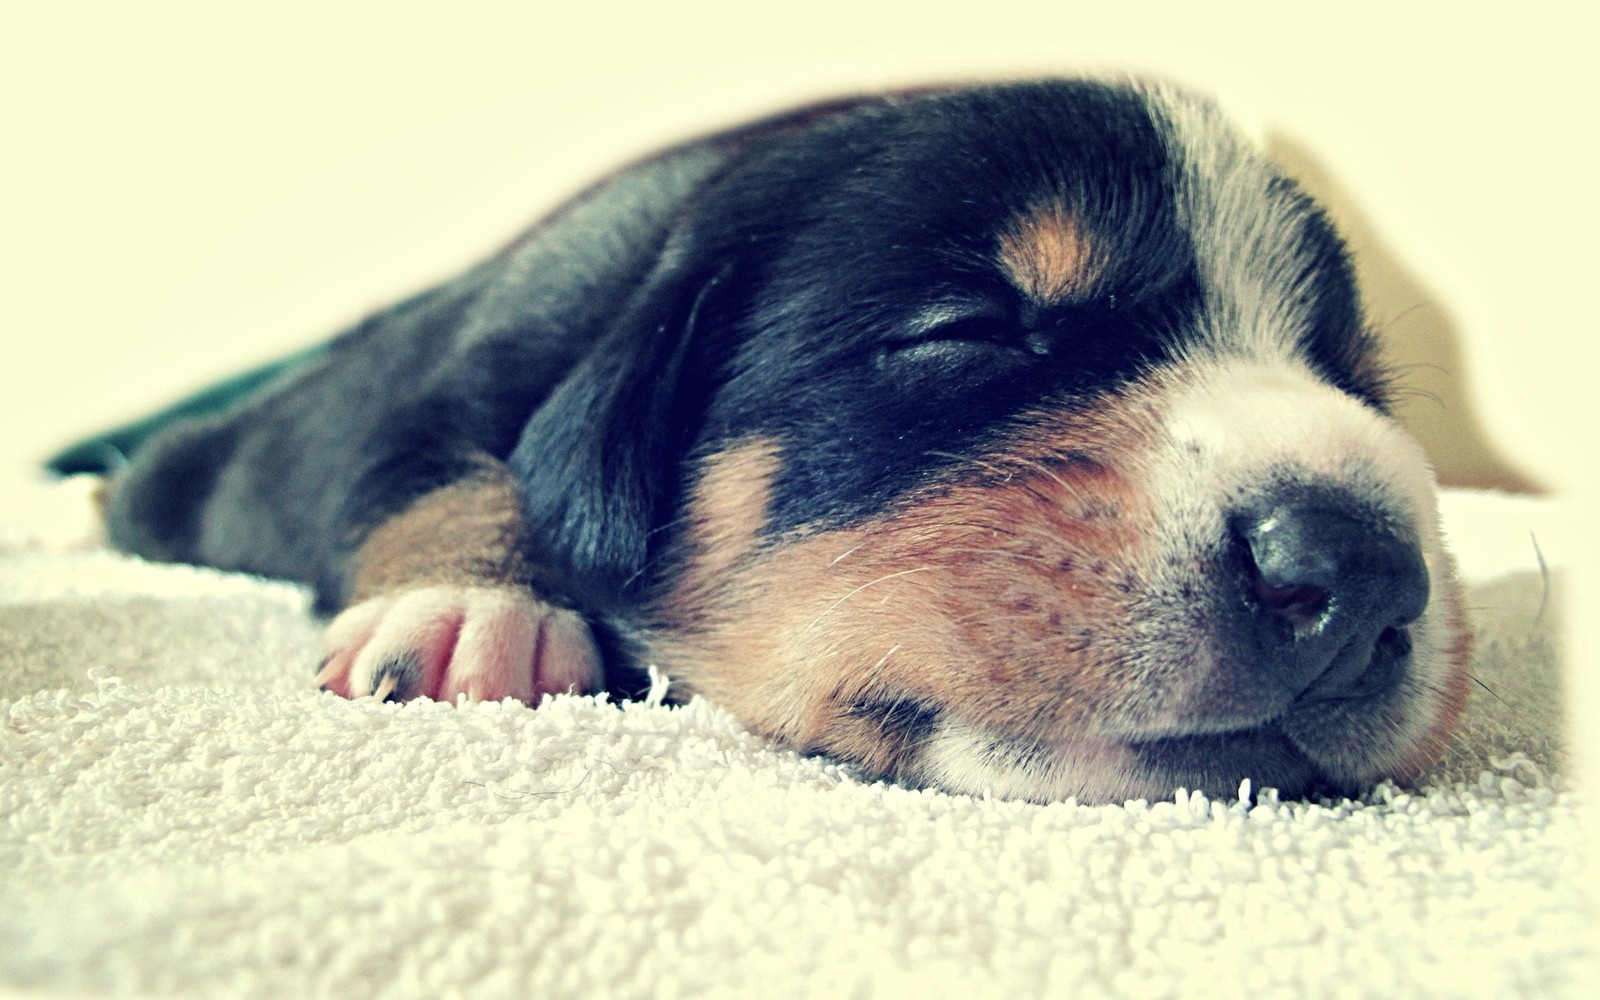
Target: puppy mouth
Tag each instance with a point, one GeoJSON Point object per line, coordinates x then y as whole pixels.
{"type": "Point", "coordinates": [1289, 742]}
{"type": "Point", "coordinates": [1361, 671]}
{"type": "Point", "coordinates": [1217, 763]}
{"type": "Point", "coordinates": [1318, 710]}
{"type": "Point", "coordinates": [1236, 696]}
{"type": "Point", "coordinates": [1287, 751]}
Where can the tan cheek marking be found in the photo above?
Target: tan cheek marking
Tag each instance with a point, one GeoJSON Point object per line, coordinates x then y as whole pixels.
{"type": "Point", "coordinates": [727, 509]}
{"type": "Point", "coordinates": [983, 595]}
{"type": "Point", "coordinates": [471, 532]}
{"type": "Point", "coordinates": [1049, 255]}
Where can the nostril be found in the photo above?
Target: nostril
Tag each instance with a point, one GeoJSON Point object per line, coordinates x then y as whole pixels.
{"type": "Point", "coordinates": [1301, 605]}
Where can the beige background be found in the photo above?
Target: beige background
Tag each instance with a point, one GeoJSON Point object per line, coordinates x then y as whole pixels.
{"type": "Point", "coordinates": [191, 187]}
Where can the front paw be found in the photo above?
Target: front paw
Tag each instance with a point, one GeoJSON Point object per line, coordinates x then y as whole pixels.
{"type": "Point", "coordinates": [487, 643]}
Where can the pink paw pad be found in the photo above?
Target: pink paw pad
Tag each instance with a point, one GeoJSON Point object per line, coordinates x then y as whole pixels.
{"type": "Point", "coordinates": [487, 643]}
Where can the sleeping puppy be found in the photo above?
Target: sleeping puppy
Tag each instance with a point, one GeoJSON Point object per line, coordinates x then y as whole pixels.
{"type": "Point", "coordinates": [1024, 438]}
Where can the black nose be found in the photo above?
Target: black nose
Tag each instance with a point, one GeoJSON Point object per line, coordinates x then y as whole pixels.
{"type": "Point", "coordinates": [1331, 591]}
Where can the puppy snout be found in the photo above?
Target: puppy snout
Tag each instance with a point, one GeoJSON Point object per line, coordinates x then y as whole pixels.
{"type": "Point", "coordinates": [1330, 591]}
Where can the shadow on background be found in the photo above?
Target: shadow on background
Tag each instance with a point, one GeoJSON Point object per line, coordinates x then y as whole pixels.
{"type": "Point", "coordinates": [1419, 339]}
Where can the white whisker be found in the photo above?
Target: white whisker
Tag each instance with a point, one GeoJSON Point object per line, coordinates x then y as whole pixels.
{"type": "Point", "coordinates": [1046, 471]}
{"type": "Point", "coordinates": [871, 583]}
{"type": "Point", "coordinates": [885, 658]}
{"type": "Point", "coordinates": [845, 554]}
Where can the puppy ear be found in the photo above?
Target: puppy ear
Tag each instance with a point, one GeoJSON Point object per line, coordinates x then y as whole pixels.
{"type": "Point", "coordinates": [600, 457]}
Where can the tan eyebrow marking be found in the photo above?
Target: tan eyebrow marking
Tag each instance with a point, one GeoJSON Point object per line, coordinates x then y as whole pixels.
{"type": "Point", "coordinates": [1048, 253]}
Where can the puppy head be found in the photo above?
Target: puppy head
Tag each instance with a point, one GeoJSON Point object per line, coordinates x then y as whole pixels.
{"type": "Point", "coordinates": [1045, 452]}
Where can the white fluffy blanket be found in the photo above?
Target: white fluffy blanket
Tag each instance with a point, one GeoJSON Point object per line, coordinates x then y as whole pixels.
{"type": "Point", "coordinates": [181, 815]}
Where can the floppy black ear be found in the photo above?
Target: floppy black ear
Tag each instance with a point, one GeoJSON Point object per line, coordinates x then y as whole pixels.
{"type": "Point", "coordinates": [600, 457]}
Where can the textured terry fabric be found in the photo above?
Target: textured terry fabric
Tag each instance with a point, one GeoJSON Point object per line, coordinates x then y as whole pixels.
{"type": "Point", "coordinates": [181, 816]}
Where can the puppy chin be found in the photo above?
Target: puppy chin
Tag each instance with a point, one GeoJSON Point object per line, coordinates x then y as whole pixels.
{"type": "Point", "coordinates": [963, 757]}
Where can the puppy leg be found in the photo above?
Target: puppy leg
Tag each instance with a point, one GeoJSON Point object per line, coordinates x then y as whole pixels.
{"type": "Point", "coordinates": [443, 602]}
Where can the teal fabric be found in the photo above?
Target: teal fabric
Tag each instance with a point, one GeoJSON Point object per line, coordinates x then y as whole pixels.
{"type": "Point", "coordinates": [109, 451]}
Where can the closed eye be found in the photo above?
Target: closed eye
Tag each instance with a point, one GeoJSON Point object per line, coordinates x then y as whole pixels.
{"type": "Point", "coordinates": [976, 331]}
{"type": "Point", "coordinates": [980, 326]}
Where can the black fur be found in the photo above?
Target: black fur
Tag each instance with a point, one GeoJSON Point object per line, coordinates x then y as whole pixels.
{"type": "Point", "coordinates": [825, 279]}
